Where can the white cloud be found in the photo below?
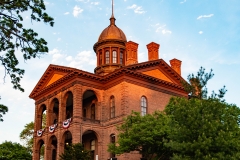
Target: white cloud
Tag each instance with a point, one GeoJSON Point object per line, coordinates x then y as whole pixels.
{"type": "Point", "coordinates": [57, 56]}
{"type": "Point", "coordinates": [164, 31]}
{"type": "Point", "coordinates": [66, 13]}
{"type": "Point", "coordinates": [159, 29]}
{"type": "Point", "coordinates": [82, 58]}
{"type": "Point", "coordinates": [54, 51]}
{"type": "Point", "coordinates": [205, 16]}
{"type": "Point", "coordinates": [132, 7]}
{"type": "Point", "coordinates": [137, 9]}
{"type": "Point", "coordinates": [76, 11]}
{"type": "Point", "coordinates": [55, 33]}
{"type": "Point", "coordinates": [200, 32]}
{"type": "Point", "coordinates": [95, 3]}
{"type": "Point", "coordinates": [184, 1]}
{"type": "Point", "coordinates": [84, 1]}
{"type": "Point", "coordinates": [59, 39]}
{"type": "Point", "coordinates": [69, 58]}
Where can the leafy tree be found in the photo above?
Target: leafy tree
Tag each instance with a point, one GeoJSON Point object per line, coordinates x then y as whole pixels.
{"type": "Point", "coordinates": [3, 110]}
{"type": "Point", "coordinates": [75, 152]}
{"type": "Point", "coordinates": [203, 127]}
{"type": "Point", "coordinates": [13, 151]}
{"type": "Point", "coordinates": [26, 135]}
{"type": "Point", "coordinates": [14, 36]}
{"type": "Point", "coordinates": [147, 134]}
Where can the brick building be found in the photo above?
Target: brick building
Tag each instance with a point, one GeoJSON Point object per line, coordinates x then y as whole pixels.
{"type": "Point", "coordinates": [85, 107]}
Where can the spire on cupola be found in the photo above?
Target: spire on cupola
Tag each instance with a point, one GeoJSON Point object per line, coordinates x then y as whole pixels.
{"type": "Point", "coordinates": [112, 19]}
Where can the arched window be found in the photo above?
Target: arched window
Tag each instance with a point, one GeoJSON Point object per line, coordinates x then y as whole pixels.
{"type": "Point", "coordinates": [114, 57]}
{"type": "Point", "coordinates": [92, 147]}
{"type": "Point", "coordinates": [121, 57]}
{"type": "Point", "coordinates": [107, 57]}
{"type": "Point", "coordinates": [112, 140]}
{"type": "Point", "coordinates": [55, 112]}
{"type": "Point", "coordinates": [143, 106]}
{"type": "Point", "coordinates": [84, 112]}
{"type": "Point", "coordinates": [69, 105]}
{"type": "Point", "coordinates": [93, 111]}
{"type": "Point", "coordinates": [112, 107]}
{"type": "Point", "coordinates": [54, 154]}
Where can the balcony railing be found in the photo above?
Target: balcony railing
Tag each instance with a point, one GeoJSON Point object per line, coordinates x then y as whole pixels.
{"type": "Point", "coordinates": [91, 120]}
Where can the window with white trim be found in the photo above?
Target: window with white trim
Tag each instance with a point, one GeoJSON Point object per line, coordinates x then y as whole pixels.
{"type": "Point", "coordinates": [114, 57]}
{"type": "Point", "coordinates": [107, 57]}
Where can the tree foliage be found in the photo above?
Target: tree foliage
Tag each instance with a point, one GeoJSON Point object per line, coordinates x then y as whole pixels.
{"type": "Point", "coordinates": [147, 134]}
{"type": "Point", "coordinates": [14, 36]}
{"type": "Point", "coordinates": [27, 134]}
{"type": "Point", "coordinates": [204, 129]}
{"type": "Point", "coordinates": [75, 152]}
{"type": "Point", "coordinates": [3, 110]}
{"type": "Point", "coordinates": [197, 85]}
{"type": "Point", "coordinates": [13, 151]}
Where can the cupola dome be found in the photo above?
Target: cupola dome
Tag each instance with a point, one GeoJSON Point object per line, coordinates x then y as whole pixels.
{"type": "Point", "coordinates": [112, 32]}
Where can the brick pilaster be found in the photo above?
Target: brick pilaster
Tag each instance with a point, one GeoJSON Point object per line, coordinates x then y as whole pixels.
{"type": "Point", "coordinates": [62, 110]}
{"type": "Point", "coordinates": [124, 98]}
{"type": "Point", "coordinates": [77, 113]}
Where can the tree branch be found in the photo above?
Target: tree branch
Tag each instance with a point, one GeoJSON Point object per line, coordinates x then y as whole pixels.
{"type": "Point", "coordinates": [13, 33]}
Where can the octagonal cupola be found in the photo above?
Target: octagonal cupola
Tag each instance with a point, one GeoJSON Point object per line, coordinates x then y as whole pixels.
{"type": "Point", "coordinates": [110, 48]}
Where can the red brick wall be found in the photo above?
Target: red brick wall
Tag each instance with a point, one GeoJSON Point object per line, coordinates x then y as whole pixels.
{"type": "Point", "coordinates": [127, 98]}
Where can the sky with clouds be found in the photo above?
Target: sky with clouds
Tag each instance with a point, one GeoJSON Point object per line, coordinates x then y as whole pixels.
{"type": "Point", "coordinates": [197, 32]}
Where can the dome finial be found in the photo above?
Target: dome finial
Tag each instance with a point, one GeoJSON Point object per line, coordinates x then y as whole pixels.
{"type": "Point", "coordinates": [112, 19]}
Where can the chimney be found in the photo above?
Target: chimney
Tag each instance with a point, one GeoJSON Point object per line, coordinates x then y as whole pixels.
{"type": "Point", "coordinates": [176, 65]}
{"type": "Point", "coordinates": [153, 51]}
{"type": "Point", "coordinates": [132, 53]}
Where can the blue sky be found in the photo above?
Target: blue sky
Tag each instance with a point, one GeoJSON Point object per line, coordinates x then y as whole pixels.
{"type": "Point", "coordinates": [197, 32]}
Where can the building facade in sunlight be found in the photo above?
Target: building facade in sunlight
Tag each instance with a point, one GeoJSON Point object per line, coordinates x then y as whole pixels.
{"type": "Point", "coordinates": [86, 107]}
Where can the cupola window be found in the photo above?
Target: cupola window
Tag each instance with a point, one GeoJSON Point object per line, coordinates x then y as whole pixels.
{"type": "Point", "coordinates": [107, 57]}
{"type": "Point", "coordinates": [114, 60]}
{"type": "Point", "coordinates": [121, 57]}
